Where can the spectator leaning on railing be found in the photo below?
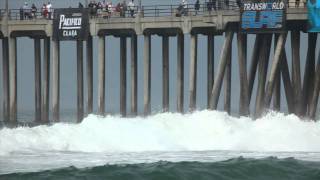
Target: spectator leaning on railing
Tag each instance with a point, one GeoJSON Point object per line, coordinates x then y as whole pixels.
{"type": "Point", "coordinates": [131, 8]}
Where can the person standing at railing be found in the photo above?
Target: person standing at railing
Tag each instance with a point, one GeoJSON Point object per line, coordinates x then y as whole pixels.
{"type": "Point", "coordinates": [185, 7]}
{"type": "Point", "coordinates": [131, 8]}
{"type": "Point", "coordinates": [26, 10]}
{"type": "Point", "coordinates": [197, 7]}
{"type": "Point", "coordinates": [34, 11]}
{"type": "Point", "coordinates": [124, 8]}
{"type": "Point", "coordinates": [44, 11]}
{"type": "Point", "coordinates": [49, 7]}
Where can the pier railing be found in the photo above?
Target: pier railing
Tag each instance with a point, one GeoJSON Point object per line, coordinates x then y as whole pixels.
{"type": "Point", "coordinates": [145, 11]}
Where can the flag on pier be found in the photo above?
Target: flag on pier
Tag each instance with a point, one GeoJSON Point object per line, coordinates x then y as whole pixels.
{"type": "Point", "coordinates": [314, 15]}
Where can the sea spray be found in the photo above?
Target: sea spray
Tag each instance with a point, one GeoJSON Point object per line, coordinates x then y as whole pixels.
{"type": "Point", "coordinates": [199, 131]}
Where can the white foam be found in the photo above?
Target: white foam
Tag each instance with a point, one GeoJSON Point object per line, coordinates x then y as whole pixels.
{"type": "Point", "coordinates": [200, 131]}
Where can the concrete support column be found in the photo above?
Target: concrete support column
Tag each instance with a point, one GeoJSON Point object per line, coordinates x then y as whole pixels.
{"type": "Point", "coordinates": [13, 78]}
{"type": "Point", "coordinates": [46, 80]}
{"type": "Point", "coordinates": [147, 74]}
{"type": "Point", "coordinates": [210, 68]}
{"type": "Point", "coordinates": [165, 73]}
{"type": "Point", "coordinates": [193, 73]}
{"type": "Point", "coordinates": [89, 75]}
{"type": "Point", "coordinates": [296, 74]}
{"type": "Point", "coordinates": [180, 73]}
{"type": "Point", "coordinates": [80, 108]}
{"type": "Point", "coordinates": [221, 70]}
{"type": "Point", "coordinates": [275, 65]}
{"type": "Point", "coordinates": [37, 78]}
{"type": "Point", "coordinates": [56, 80]}
{"type": "Point", "coordinates": [244, 85]}
{"type": "Point", "coordinates": [101, 76]}
{"type": "Point", "coordinates": [5, 79]}
{"type": "Point", "coordinates": [134, 75]}
{"type": "Point", "coordinates": [123, 76]}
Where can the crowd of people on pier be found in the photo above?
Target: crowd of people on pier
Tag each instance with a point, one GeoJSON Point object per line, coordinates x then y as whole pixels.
{"type": "Point", "coordinates": [107, 9]}
{"type": "Point", "coordinates": [27, 12]}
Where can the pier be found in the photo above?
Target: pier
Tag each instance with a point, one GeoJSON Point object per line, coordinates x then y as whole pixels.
{"type": "Point", "coordinates": [301, 92]}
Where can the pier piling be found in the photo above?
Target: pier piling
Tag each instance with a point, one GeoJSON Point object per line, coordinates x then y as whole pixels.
{"type": "Point", "coordinates": [275, 66]}
{"type": "Point", "coordinates": [165, 73]}
{"type": "Point", "coordinates": [5, 79]}
{"type": "Point", "coordinates": [227, 82]}
{"type": "Point", "coordinates": [221, 71]}
{"type": "Point", "coordinates": [277, 85]}
{"type": "Point", "coordinates": [101, 76]}
{"type": "Point", "coordinates": [89, 75]}
{"type": "Point", "coordinates": [180, 73]}
{"type": "Point", "coordinates": [244, 85]}
{"type": "Point", "coordinates": [123, 76]}
{"type": "Point", "coordinates": [37, 78]}
{"type": "Point", "coordinates": [263, 70]}
{"type": "Point", "coordinates": [296, 73]}
{"type": "Point", "coordinates": [193, 73]}
{"type": "Point", "coordinates": [80, 109]}
{"type": "Point", "coordinates": [147, 74]}
{"type": "Point", "coordinates": [210, 68]}
{"type": "Point", "coordinates": [46, 80]}
{"type": "Point", "coordinates": [13, 79]}
{"type": "Point", "coordinates": [56, 81]}
{"type": "Point", "coordinates": [134, 75]}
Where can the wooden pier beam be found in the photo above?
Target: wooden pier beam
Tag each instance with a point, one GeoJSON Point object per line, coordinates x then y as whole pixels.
{"type": "Point", "coordinates": [101, 76]}
{"type": "Point", "coordinates": [147, 74]}
{"type": "Point", "coordinates": [165, 73]}
{"type": "Point", "coordinates": [227, 82]}
{"type": "Point", "coordinates": [296, 76]}
{"type": "Point", "coordinates": [193, 73]}
{"type": "Point", "coordinates": [315, 95]}
{"type": "Point", "coordinates": [89, 75]}
{"type": "Point", "coordinates": [254, 63]}
{"type": "Point", "coordinates": [263, 70]}
{"type": "Point", "coordinates": [123, 76]}
{"type": "Point", "coordinates": [37, 78]}
{"type": "Point", "coordinates": [80, 108]}
{"type": "Point", "coordinates": [56, 81]}
{"type": "Point", "coordinates": [180, 73]}
{"type": "Point", "coordinates": [308, 80]}
{"type": "Point", "coordinates": [210, 68]}
{"type": "Point", "coordinates": [46, 81]}
{"type": "Point", "coordinates": [244, 85]}
{"type": "Point", "coordinates": [13, 79]}
{"type": "Point", "coordinates": [214, 99]}
{"type": "Point", "coordinates": [275, 65]}
{"type": "Point", "coordinates": [134, 75]}
{"type": "Point", "coordinates": [5, 79]}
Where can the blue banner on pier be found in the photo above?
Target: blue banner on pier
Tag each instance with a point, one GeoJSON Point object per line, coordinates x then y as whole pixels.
{"type": "Point", "coordinates": [71, 24]}
{"type": "Point", "coordinates": [263, 16]}
{"type": "Point", "coordinates": [314, 15]}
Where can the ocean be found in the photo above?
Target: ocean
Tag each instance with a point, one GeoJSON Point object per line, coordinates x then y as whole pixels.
{"type": "Point", "coordinates": [201, 145]}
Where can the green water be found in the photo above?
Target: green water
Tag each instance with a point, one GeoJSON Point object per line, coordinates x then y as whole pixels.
{"type": "Point", "coordinates": [239, 168]}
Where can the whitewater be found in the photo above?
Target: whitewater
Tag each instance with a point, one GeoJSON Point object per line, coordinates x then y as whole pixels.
{"type": "Point", "coordinates": [204, 136]}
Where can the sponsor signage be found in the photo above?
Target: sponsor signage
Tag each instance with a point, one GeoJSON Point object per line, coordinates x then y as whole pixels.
{"type": "Point", "coordinates": [264, 16]}
{"type": "Point", "coordinates": [314, 15]}
{"type": "Point", "coordinates": [70, 24]}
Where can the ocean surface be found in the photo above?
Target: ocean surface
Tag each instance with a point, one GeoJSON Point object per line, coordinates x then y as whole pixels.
{"type": "Point", "coordinates": [201, 145]}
